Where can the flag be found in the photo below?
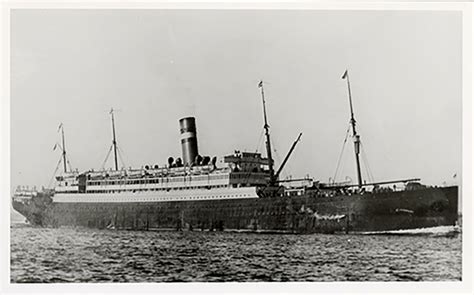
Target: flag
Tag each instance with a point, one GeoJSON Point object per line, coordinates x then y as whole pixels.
{"type": "Point", "coordinates": [345, 74]}
{"type": "Point", "coordinates": [60, 126]}
{"type": "Point", "coordinates": [260, 85]}
{"type": "Point", "coordinates": [55, 146]}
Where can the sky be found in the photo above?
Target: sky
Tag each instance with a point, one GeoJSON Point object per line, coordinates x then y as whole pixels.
{"type": "Point", "coordinates": [157, 66]}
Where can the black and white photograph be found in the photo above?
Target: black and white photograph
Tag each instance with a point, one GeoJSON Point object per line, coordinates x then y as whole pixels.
{"type": "Point", "coordinates": [236, 144]}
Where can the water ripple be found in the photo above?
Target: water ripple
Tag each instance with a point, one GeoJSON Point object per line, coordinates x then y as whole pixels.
{"type": "Point", "coordinates": [85, 255]}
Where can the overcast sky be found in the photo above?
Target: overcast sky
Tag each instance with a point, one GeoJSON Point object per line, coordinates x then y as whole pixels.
{"type": "Point", "coordinates": [156, 66]}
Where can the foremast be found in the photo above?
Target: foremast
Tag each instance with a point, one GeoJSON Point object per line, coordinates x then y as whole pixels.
{"type": "Point", "coordinates": [354, 132]}
{"type": "Point", "coordinates": [114, 141]}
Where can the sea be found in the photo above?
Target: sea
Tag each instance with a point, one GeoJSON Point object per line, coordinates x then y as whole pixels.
{"type": "Point", "coordinates": [62, 255]}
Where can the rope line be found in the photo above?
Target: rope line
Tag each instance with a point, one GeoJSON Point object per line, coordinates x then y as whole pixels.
{"type": "Point", "coordinates": [247, 176]}
{"type": "Point", "coordinates": [69, 164]}
{"type": "Point", "coordinates": [277, 157]}
{"type": "Point", "coordinates": [120, 156]}
{"type": "Point", "coordinates": [366, 164]}
{"type": "Point", "coordinates": [54, 173]}
{"type": "Point", "coordinates": [259, 140]}
{"type": "Point", "coordinates": [342, 152]}
{"type": "Point", "coordinates": [106, 157]}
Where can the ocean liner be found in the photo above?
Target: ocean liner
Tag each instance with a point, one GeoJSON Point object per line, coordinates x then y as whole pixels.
{"type": "Point", "coordinates": [238, 192]}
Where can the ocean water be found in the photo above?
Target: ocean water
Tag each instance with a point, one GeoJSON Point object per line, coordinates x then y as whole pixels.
{"type": "Point", "coordinates": [87, 255]}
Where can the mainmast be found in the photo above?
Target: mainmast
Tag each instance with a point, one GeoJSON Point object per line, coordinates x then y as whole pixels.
{"type": "Point", "coordinates": [114, 141]}
{"type": "Point", "coordinates": [63, 147]}
{"type": "Point", "coordinates": [354, 132]}
{"type": "Point", "coordinates": [267, 135]}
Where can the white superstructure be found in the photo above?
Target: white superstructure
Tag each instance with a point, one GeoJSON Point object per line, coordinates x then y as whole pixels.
{"type": "Point", "coordinates": [240, 179]}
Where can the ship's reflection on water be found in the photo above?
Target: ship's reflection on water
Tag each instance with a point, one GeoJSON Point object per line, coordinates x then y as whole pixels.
{"type": "Point", "coordinates": [85, 255]}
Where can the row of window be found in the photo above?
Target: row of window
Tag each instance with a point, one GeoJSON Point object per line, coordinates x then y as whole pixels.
{"type": "Point", "coordinates": [154, 189]}
{"type": "Point", "coordinates": [154, 199]}
{"type": "Point", "coordinates": [155, 180]}
{"type": "Point", "coordinates": [138, 190]}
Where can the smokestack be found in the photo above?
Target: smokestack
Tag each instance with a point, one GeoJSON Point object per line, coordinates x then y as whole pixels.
{"type": "Point", "coordinates": [189, 144]}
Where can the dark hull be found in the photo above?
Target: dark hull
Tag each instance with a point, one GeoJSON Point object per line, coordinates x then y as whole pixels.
{"type": "Point", "coordinates": [297, 214]}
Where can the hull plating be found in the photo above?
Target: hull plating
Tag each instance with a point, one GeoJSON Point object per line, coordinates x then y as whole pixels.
{"type": "Point", "coordinates": [297, 214]}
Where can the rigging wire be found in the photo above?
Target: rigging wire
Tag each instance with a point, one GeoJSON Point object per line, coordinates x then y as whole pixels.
{"type": "Point", "coordinates": [277, 155]}
{"type": "Point", "coordinates": [288, 164]}
{"type": "Point", "coordinates": [367, 174]}
{"type": "Point", "coordinates": [106, 157]}
{"type": "Point", "coordinates": [275, 150]}
{"type": "Point", "coordinates": [67, 158]}
{"type": "Point", "coordinates": [366, 164]}
{"type": "Point", "coordinates": [54, 173]}
{"type": "Point", "coordinates": [342, 152]}
{"type": "Point", "coordinates": [247, 177]}
{"type": "Point", "coordinates": [119, 149]}
{"type": "Point", "coordinates": [69, 164]}
{"type": "Point", "coordinates": [259, 141]}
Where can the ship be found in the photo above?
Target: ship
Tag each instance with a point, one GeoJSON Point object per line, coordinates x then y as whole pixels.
{"type": "Point", "coordinates": [240, 192]}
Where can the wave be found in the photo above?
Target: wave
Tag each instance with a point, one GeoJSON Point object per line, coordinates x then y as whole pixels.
{"type": "Point", "coordinates": [443, 231]}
